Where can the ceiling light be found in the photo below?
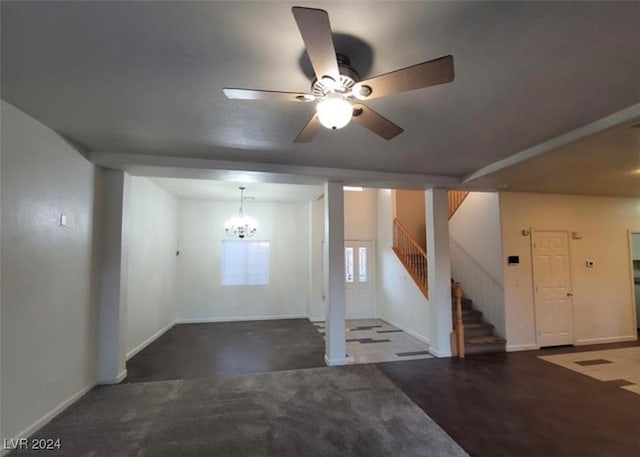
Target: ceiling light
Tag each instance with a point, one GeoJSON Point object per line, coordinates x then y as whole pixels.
{"type": "Point", "coordinates": [361, 91]}
{"type": "Point", "coordinates": [353, 188]}
{"type": "Point", "coordinates": [241, 226]}
{"type": "Point", "coordinates": [334, 112]}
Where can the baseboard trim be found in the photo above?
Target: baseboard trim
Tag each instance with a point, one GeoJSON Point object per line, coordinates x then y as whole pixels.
{"type": "Point", "coordinates": [149, 340]}
{"type": "Point", "coordinates": [607, 339]}
{"type": "Point", "coordinates": [439, 354]}
{"type": "Point", "coordinates": [204, 320]}
{"type": "Point", "coordinates": [521, 347]}
{"type": "Point", "coordinates": [38, 424]}
{"type": "Point", "coordinates": [335, 362]}
{"type": "Point", "coordinates": [416, 335]}
{"type": "Point", "coordinates": [317, 319]}
{"type": "Point", "coordinates": [117, 380]}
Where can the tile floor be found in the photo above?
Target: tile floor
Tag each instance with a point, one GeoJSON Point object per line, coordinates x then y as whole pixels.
{"type": "Point", "coordinates": [621, 366]}
{"type": "Point", "coordinates": [374, 341]}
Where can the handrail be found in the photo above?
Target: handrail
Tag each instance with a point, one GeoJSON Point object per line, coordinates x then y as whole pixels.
{"type": "Point", "coordinates": [412, 255]}
{"type": "Point", "coordinates": [458, 324]}
{"type": "Point", "coordinates": [397, 222]}
{"type": "Point", "coordinates": [456, 197]}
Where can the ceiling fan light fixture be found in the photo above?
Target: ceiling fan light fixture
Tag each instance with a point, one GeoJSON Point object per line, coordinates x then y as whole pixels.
{"type": "Point", "coordinates": [361, 91]}
{"type": "Point", "coordinates": [334, 111]}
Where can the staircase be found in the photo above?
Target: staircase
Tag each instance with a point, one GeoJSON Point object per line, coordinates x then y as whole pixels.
{"type": "Point", "coordinates": [479, 337]}
{"type": "Point", "coordinates": [470, 332]}
{"type": "Point", "coordinates": [412, 256]}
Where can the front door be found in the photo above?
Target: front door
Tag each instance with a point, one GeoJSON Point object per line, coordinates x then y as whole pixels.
{"type": "Point", "coordinates": [552, 288]}
{"type": "Point", "coordinates": [358, 259]}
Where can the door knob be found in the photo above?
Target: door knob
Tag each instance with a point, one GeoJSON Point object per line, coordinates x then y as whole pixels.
{"type": "Point", "coordinates": [569, 294]}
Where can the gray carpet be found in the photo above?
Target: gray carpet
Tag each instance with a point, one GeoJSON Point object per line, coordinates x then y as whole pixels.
{"type": "Point", "coordinates": [346, 411]}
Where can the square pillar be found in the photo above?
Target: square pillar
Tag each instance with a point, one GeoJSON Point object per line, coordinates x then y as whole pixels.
{"type": "Point", "coordinates": [439, 274]}
{"type": "Point", "coordinates": [335, 345]}
{"type": "Point", "coordinates": [113, 277]}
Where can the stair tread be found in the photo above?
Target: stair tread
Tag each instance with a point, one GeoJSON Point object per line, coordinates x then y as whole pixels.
{"type": "Point", "coordinates": [478, 325]}
{"type": "Point", "coordinates": [486, 339]}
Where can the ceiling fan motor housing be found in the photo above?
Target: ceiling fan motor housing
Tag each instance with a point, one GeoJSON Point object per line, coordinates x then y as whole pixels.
{"type": "Point", "coordinates": [348, 77]}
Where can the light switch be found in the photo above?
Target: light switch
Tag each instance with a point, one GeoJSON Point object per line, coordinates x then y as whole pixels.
{"type": "Point", "coordinates": [63, 220]}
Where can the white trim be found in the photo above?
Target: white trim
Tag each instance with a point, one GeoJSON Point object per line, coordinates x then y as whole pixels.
{"type": "Point", "coordinates": [335, 362]}
{"type": "Point", "coordinates": [606, 339]}
{"type": "Point", "coordinates": [317, 319]}
{"type": "Point", "coordinates": [625, 115]}
{"type": "Point", "coordinates": [268, 317]}
{"type": "Point", "coordinates": [522, 347]}
{"type": "Point", "coordinates": [198, 168]}
{"type": "Point", "coordinates": [439, 354]}
{"type": "Point", "coordinates": [416, 335]}
{"type": "Point", "coordinates": [117, 380]}
{"type": "Point", "coordinates": [149, 340]}
{"type": "Point", "coordinates": [35, 426]}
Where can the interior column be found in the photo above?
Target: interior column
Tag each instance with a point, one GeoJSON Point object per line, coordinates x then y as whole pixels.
{"type": "Point", "coordinates": [335, 346]}
{"type": "Point", "coordinates": [113, 276]}
{"type": "Point", "coordinates": [439, 274]}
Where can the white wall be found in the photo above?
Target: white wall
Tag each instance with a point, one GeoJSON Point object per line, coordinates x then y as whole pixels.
{"type": "Point", "coordinates": [153, 242]}
{"type": "Point", "coordinates": [49, 316]}
{"type": "Point", "coordinates": [476, 255]}
{"type": "Point", "coordinates": [201, 231]}
{"type": "Point", "coordinates": [602, 297]}
{"type": "Point", "coordinates": [317, 299]}
{"type": "Point", "coordinates": [410, 211]}
{"type": "Point", "coordinates": [360, 223]}
{"type": "Point", "coordinates": [399, 301]}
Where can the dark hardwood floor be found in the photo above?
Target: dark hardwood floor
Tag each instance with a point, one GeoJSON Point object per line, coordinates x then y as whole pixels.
{"type": "Point", "coordinates": [190, 351]}
{"type": "Point", "coordinates": [515, 404]}
{"type": "Point", "coordinates": [508, 404]}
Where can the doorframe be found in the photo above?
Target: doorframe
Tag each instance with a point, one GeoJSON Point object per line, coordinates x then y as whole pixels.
{"type": "Point", "coordinates": [533, 282]}
{"type": "Point", "coordinates": [634, 305]}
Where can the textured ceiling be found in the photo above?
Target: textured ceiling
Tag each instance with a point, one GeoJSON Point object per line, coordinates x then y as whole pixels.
{"type": "Point", "coordinates": [606, 163]}
{"type": "Point", "coordinates": [146, 77]}
{"type": "Point", "coordinates": [202, 189]}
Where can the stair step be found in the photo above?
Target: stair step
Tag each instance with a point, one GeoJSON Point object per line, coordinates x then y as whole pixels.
{"type": "Point", "coordinates": [467, 303]}
{"type": "Point", "coordinates": [471, 315]}
{"type": "Point", "coordinates": [477, 329]}
{"type": "Point", "coordinates": [484, 344]}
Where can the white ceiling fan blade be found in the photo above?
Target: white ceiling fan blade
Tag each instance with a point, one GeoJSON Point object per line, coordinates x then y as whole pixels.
{"type": "Point", "coordinates": [309, 130]}
{"type": "Point", "coordinates": [315, 29]}
{"type": "Point", "coordinates": [425, 74]}
{"type": "Point", "coordinates": [267, 95]}
{"type": "Point", "coordinates": [375, 122]}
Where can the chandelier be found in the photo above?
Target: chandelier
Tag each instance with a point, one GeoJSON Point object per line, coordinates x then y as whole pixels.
{"type": "Point", "coordinates": [241, 226]}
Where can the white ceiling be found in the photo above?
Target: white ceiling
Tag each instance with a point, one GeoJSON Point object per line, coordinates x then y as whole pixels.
{"type": "Point", "coordinates": [147, 77]}
{"type": "Point", "coordinates": [201, 189]}
{"type": "Point", "coordinates": [605, 163]}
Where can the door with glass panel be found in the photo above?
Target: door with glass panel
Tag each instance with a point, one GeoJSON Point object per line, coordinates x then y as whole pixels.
{"type": "Point", "coordinates": [358, 263]}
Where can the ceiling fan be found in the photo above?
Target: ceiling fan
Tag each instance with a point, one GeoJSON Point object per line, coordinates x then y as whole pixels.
{"type": "Point", "coordinates": [337, 87]}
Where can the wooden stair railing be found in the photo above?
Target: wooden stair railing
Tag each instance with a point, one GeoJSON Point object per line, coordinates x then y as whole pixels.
{"type": "Point", "coordinates": [456, 197]}
{"type": "Point", "coordinates": [412, 255]}
{"type": "Point", "coordinates": [458, 325]}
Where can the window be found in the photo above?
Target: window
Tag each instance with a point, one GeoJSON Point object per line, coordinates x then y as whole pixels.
{"type": "Point", "coordinates": [245, 263]}
{"type": "Point", "coordinates": [348, 264]}
{"type": "Point", "coordinates": [362, 264]}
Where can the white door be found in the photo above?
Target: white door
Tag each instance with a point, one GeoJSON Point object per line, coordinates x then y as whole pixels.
{"type": "Point", "coordinates": [358, 260]}
{"type": "Point", "coordinates": [552, 288]}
